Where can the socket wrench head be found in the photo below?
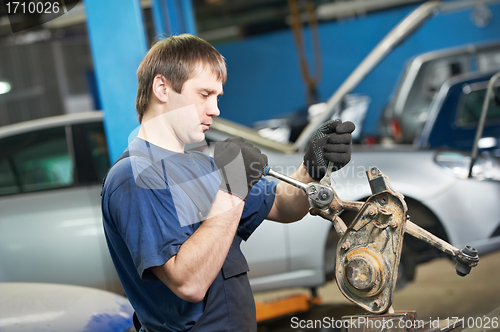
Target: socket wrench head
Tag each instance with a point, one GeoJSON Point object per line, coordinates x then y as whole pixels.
{"type": "Point", "coordinates": [467, 258]}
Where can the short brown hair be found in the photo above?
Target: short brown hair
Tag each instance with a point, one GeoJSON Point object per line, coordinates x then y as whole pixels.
{"type": "Point", "coordinates": [176, 58]}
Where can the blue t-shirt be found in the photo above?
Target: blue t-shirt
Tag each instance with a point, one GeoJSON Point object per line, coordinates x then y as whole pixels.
{"type": "Point", "coordinates": [152, 202]}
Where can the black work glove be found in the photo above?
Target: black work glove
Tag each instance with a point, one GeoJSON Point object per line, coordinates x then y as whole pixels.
{"type": "Point", "coordinates": [331, 142]}
{"type": "Point", "coordinates": [241, 165]}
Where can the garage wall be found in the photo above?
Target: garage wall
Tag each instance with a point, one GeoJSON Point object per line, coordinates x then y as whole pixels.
{"type": "Point", "coordinates": [264, 77]}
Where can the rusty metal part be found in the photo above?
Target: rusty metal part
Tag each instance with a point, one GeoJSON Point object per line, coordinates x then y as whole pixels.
{"type": "Point", "coordinates": [366, 273]}
{"type": "Point", "coordinates": [369, 250]}
{"type": "Point", "coordinates": [430, 238]}
{"type": "Point", "coordinates": [331, 215]}
{"type": "Point", "coordinates": [467, 257]}
{"type": "Point", "coordinates": [345, 246]}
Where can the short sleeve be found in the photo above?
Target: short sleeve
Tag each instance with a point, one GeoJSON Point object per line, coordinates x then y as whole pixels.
{"type": "Point", "coordinates": [257, 206]}
{"type": "Point", "coordinates": [147, 221]}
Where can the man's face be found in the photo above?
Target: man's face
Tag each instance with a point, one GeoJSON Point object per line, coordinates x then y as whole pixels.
{"type": "Point", "coordinates": [194, 108]}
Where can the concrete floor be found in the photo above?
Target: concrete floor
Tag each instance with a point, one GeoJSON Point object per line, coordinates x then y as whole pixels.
{"type": "Point", "coordinates": [436, 293]}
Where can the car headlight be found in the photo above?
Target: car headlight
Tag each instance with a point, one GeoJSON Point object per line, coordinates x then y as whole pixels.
{"type": "Point", "coordinates": [485, 168]}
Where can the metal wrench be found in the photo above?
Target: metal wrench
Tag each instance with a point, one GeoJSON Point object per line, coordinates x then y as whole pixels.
{"type": "Point", "coordinates": [319, 195]}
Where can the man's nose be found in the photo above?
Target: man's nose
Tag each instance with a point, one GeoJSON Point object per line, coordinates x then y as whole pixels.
{"type": "Point", "coordinates": [213, 110]}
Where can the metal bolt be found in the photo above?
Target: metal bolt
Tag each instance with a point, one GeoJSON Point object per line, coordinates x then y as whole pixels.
{"type": "Point", "coordinates": [372, 211]}
{"type": "Point", "coordinates": [374, 171]}
{"type": "Point", "coordinates": [386, 212]}
{"type": "Point", "coordinates": [346, 245]}
{"type": "Point", "coordinates": [378, 303]}
{"type": "Point", "coordinates": [393, 224]}
{"type": "Point", "coordinates": [311, 190]}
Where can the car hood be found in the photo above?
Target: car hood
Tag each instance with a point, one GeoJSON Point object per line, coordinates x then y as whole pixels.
{"type": "Point", "coordinates": [58, 308]}
{"type": "Point", "coordinates": [411, 171]}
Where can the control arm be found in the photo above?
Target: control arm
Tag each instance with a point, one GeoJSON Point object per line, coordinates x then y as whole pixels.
{"type": "Point", "coordinates": [369, 250]}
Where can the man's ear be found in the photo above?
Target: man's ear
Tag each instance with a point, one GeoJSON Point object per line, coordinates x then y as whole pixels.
{"type": "Point", "coordinates": [161, 87]}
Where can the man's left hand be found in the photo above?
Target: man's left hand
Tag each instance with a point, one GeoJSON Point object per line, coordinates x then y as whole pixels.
{"type": "Point", "coordinates": [330, 143]}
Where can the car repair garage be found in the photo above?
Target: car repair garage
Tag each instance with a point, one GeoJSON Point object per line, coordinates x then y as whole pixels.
{"type": "Point", "coordinates": [215, 165]}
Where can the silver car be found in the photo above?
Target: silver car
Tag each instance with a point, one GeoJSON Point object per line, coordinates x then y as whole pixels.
{"type": "Point", "coordinates": [50, 217]}
{"type": "Point", "coordinates": [50, 220]}
{"type": "Point", "coordinates": [26, 306]}
{"type": "Point", "coordinates": [51, 228]}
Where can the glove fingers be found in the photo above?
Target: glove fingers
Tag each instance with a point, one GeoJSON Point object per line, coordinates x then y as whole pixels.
{"type": "Point", "coordinates": [339, 139]}
{"type": "Point", "coordinates": [250, 146]}
{"type": "Point", "coordinates": [341, 148]}
{"type": "Point", "coordinates": [329, 126]}
{"type": "Point", "coordinates": [338, 157]}
{"type": "Point", "coordinates": [330, 143]}
{"type": "Point", "coordinates": [256, 166]}
{"type": "Point", "coordinates": [345, 128]}
{"type": "Point", "coordinates": [251, 165]}
{"type": "Point", "coordinates": [235, 140]}
{"type": "Point", "coordinates": [242, 143]}
{"type": "Point", "coordinates": [225, 152]}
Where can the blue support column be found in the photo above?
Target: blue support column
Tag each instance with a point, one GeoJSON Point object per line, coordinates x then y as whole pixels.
{"type": "Point", "coordinates": [118, 43]}
{"type": "Point", "coordinates": [173, 17]}
{"type": "Point", "coordinates": [189, 16]}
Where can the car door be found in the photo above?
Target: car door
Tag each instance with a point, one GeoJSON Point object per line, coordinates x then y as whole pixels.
{"type": "Point", "coordinates": [454, 120]}
{"type": "Point", "coordinates": [49, 230]}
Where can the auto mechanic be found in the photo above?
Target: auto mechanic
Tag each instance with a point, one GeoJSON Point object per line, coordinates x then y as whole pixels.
{"type": "Point", "coordinates": [174, 219]}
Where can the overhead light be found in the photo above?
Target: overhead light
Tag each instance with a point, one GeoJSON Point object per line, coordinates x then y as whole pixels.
{"type": "Point", "coordinates": [4, 87]}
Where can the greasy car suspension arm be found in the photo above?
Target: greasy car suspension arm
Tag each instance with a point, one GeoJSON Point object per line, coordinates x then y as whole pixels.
{"type": "Point", "coordinates": [369, 250]}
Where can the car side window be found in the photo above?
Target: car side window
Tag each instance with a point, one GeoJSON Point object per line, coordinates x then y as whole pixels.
{"type": "Point", "coordinates": [35, 161]}
{"type": "Point", "coordinates": [472, 106]}
{"type": "Point", "coordinates": [98, 148]}
{"type": "Point", "coordinates": [91, 152]}
{"type": "Point", "coordinates": [8, 181]}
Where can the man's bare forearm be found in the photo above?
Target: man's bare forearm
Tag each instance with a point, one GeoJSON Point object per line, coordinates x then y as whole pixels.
{"type": "Point", "coordinates": [190, 273]}
{"type": "Point", "coordinates": [290, 203]}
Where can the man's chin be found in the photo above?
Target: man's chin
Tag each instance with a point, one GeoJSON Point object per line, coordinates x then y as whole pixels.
{"type": "Point", "coordinates": [196, 139]}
